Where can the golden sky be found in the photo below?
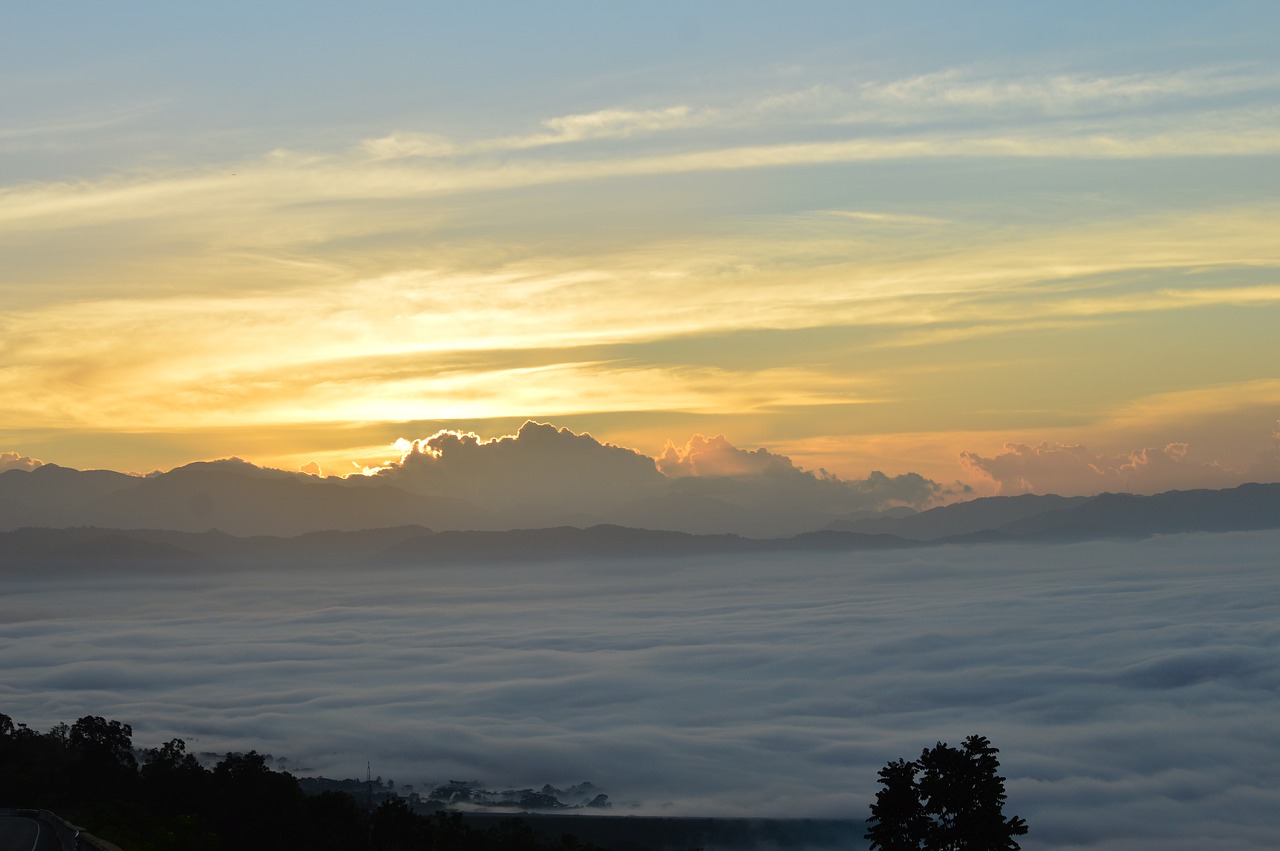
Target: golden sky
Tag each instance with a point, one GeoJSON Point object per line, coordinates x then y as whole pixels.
{"type": "Point", "coordinates": [900, 252]}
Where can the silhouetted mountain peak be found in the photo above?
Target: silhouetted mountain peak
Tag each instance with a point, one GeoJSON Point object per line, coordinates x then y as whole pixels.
{"type": "Point", "coordinates": [230, 466]}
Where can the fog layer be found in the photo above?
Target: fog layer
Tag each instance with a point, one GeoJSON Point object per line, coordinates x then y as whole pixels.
{"type": "Point", "coordinates": [1132, 687]}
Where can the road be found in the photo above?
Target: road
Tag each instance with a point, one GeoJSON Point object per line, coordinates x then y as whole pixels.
{"type": "Point", "coordinates": [19, 833]}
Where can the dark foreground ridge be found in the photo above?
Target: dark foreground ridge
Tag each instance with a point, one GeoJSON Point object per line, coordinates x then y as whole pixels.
{"type": "Point", "coordinates": [1028, 519]}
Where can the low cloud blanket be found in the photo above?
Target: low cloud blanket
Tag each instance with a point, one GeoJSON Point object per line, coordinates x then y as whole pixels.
{"type": "Point", "coordinates": [1133, 687]}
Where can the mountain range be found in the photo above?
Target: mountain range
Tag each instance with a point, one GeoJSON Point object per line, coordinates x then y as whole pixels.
{"type": "Point", "coordinates": [234, 512]}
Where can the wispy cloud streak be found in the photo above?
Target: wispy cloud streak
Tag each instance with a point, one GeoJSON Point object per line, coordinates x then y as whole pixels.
{"type": "Point", "coordinates": [352, 282]}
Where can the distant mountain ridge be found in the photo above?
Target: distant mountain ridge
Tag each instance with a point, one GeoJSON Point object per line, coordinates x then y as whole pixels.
{"type": "Point", "coordinates": [1014, 519]}
{"type": "Point", "coordinates": [963, 518]}
{"type": "Point", "coordinates": [1242, 508]}
{"type": "Point", "coordinates": [92, 546]}
{"type": "Point", "coordinates": [231, 496]}
{"type": "Point", "coordinates": [1109, 515]}
{"type": "Point", "coordinates": [241, 499]}
{"type": "Point", "coordinates": [238, 501]}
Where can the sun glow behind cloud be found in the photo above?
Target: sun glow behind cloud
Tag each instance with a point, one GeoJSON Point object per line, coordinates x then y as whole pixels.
{"type": "Point", "coordinates": [742, 259]}
{"type": "Point", "coordinates": [635, 259]}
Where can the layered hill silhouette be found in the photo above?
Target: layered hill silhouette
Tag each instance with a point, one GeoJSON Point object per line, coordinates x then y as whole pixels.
{"type": "Point", "coordinates": [541, 477]}
{"type": "Point", "coordinates": [234, 513]}
{"type": "Point", "coordinates": [1108, 515]}
{"type": "Point", "coordinates": [230, 496]}
{"type": "Point", "coordinates": [91, 547]}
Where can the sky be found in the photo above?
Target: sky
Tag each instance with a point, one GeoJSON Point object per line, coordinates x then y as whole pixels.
{"type": "Point", "coordinates": [1131, 686]}
{"type": "Point", "coordinates": [1001, 246]}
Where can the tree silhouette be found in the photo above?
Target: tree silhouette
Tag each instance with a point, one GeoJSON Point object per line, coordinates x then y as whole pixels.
{"type": "Point", "coordinates": [256, 807]}
{"type": "Point", "coordinates": [950, 799]}
{"type": "Point", "coordinates": [105, 764]}
{"type": "Point", "coordinates": [173, 780]}
{"type": "Point", "coordinates": [89, 772]}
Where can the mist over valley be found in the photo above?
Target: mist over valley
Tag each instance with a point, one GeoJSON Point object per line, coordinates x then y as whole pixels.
{"type": "Point", "coordinates": [704, 405]}
{"type": "Point", "coordinates": [1130, 684]}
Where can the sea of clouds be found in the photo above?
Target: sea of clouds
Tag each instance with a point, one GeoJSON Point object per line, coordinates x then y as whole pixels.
{"type": "Point", "coordinates": [1132, 687]}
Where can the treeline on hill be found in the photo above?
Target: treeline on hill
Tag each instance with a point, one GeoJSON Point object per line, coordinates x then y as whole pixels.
{"type": "Point", "coordinates": [89, 774]}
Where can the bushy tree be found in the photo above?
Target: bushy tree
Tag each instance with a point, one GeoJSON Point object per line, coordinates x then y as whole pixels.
{"type": "Point", "coordinates": [897, 819]}
{"type": "Point", "coordinates": [950, 799]}
{"type": "Point", "coordinates": [172, 780]}
{"type": "Point", "coordinates": [106, 766]}
{"type": "Point", "coordinates": [256, 807]}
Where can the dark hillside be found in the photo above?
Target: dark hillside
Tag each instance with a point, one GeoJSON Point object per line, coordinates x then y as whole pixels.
{"type": "Point", "coordinates": [963, 518]}
{"type": "Point", "coordinates": [1241, 509]}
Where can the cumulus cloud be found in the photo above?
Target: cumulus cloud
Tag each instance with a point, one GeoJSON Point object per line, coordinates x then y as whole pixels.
{"type": "Point", "coordinates": [716, 458]}
{"type": "Point", "coordinates": [1074, 469]}
{"type": "Point", "coordinates": [714, 486]}
{"type": "Point", "coordinates": [17, 461]}
{"type": "Point", "coordinates": [540, 465]}
{"type": "Point", "coordinates": [545, 474]}
{"type": "Point", "coordinates": [1134, 702]}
